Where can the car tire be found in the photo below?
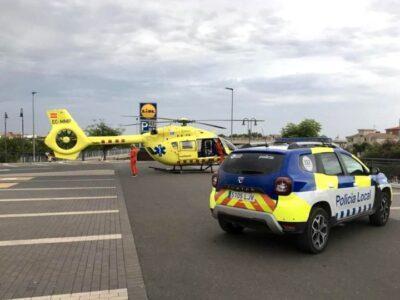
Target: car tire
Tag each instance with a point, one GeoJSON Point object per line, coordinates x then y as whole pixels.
{"type": "Point", "coordinates": [315, 237]}
{"type": "Point", "coordinates": [381, 215]}
{"type": "Point", "coordinates": [230, 227]}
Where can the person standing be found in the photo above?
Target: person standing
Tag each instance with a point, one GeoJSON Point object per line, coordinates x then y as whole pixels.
{"type": "Point", "coordinates": [133, 156]}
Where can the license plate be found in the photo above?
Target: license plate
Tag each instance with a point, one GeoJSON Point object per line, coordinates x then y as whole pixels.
{"type": "Point", "coordinates": [241, 196]}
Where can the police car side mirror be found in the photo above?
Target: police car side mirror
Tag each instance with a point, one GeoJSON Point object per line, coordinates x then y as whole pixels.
{"type": "Point", "coordinates": [375, 171]}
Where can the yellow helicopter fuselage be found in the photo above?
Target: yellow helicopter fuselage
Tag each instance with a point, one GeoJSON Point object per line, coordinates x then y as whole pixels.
{"type": "Point", "coordinates": [170, 145]}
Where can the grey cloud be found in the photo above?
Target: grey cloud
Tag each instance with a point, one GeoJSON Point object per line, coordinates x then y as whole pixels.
{"type": "Point", "coordinates": [101, 58]}
{"type": "Point", "coordinates": [306, 85]}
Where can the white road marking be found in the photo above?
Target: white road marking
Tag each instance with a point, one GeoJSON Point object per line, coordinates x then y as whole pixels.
{"type": "Point", "coordinates": [8, 165]}
{"type": "Point", "coordinates": [106, 294]}
{"type": "Point", "coordinates": [395, 193]}
{"type": "Point", "coordinates": [61, 213]}
{"type": "Point", "coordinates": [15, 178]}
{"type": "Point", "coordinates": [395, 208]}
{"type": "Point", "coordinates": [58, 240]}
{"type": "Point", "coordinates": [57, 198]}
{"type": "Point", "coordinates": [98, 172]}
{"type": "Point", "coordinates": [6, 185]}
{"type": "Point", "coordinates": [4, 170]}
{"type": "Point", "coordinates": [62, 188]}
{"type": "Point", "coordinates": [71, 180]}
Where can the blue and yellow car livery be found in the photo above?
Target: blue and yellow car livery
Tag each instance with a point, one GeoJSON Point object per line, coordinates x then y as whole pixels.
{"type": "Point", "coordinates": [279, 187]}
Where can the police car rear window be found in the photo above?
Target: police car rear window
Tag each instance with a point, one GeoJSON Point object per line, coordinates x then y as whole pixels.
{"type": "Point", "coordinates": [252, 163]}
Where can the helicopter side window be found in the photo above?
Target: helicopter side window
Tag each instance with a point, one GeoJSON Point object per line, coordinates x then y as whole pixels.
{"type": "Point", "coordinates": [174, 145]}
{"type": "Point", "coordinates": [187, 145]}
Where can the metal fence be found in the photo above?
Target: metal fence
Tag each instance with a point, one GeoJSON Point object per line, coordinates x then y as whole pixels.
{"type": "Point", "coordinates": [111, 153]}
{"type": "Point", "coordinates": [391, 167]}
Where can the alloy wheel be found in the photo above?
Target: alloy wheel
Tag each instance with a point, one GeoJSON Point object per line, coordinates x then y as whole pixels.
{"type": "Point", "coordinates": [385, 208]}
{"type": "Point", "coordinates": [319, 231]}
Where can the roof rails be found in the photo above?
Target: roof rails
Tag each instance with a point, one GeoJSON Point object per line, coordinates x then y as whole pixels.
{"type": "Point", "coordinates": [303, 139]}
{"type": "Point", "coordinates": [306, 142]}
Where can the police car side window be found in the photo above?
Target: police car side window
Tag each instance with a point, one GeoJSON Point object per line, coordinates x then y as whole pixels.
{"type": "Point", "coordinates": [307, 163]}
{"type": "Point", "coordinates": [352, 166]}
{"type": "Point", "coordinates": [328, 164]}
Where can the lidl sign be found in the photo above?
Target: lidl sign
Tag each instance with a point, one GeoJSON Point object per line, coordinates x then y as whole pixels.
{"type": "Point", "coordinates": [148, 116]}
{"type": "Point", "coordinates": [148, 110]}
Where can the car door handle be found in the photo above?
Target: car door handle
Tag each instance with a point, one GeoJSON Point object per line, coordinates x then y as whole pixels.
{"type": "Point", "coordinates": [331, 186]}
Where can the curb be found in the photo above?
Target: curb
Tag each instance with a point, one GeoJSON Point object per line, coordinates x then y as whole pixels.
{"type": "Point", "coordinates": [134, 277]}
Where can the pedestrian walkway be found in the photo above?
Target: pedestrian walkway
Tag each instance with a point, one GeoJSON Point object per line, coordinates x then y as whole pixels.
{"type": "Point", "coordinates": [66, 235]}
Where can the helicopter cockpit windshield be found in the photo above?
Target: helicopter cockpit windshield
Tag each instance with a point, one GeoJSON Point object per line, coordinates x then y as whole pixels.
{"type": "Point", "coordinates": [228, 144]}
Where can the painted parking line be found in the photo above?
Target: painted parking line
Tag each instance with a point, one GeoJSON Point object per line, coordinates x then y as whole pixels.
{"type": "Point", "coordinates": [60, 188]}
{"type": "Point", "coordinates": [107, 294]}
{"type": "Point", "coordinates": [97, 172]}
{"type": "Point", "coordinates": [57, 198]}
{"type": "Point", "coordinates": [72, 180]}
{"type": "Point", "coordinates": [61, 213]}
{"type": "Point", "coordinates": [395, 193]}
{"type": "Point", "coordinates": [6, 185]}
{"type": "Point", "coordinates": [59, 240]}
{"type": "Point", "coordinates": [395, 208]}
{"type": "Point", "coordinates": [15, 178]}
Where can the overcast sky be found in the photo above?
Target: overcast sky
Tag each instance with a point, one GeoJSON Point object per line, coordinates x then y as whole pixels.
{"type": "Point", "coordinates": [335, 61]}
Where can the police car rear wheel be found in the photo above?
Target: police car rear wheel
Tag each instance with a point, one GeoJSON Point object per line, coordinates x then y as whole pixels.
{"type": "Point", "coordinates": [381, 216]}
{"type": "Point", "coordinates": [230, 227]}
{"type": "Point", "coordinates": [315, 237]}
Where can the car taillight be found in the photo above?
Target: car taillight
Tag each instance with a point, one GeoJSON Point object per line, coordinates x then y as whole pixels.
{"type": "Point", "coordinates": [283, 186]}
{"type": "Point", "coordinates": [214, 180]}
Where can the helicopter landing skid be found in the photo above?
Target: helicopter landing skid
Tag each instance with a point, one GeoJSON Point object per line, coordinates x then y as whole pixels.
{"type": "Point", "coordinates": [180, 169]}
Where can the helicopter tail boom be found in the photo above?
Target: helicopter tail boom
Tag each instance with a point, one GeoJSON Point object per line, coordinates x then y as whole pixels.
{"type": "Point", "coordinates": [67, 139]}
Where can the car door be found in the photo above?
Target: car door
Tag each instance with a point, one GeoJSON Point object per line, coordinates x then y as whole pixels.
{"type": "Point", "coordinates": [363, 190]}
{"type": "Point", "coordinates": [328, 177]}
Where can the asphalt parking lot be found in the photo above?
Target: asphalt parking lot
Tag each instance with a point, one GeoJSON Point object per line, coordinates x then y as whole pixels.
{"type": "Point", "coordinates": [185, 255]}
{"type": "Point", "coordinates": [49, 211]}
{"type": "Point", "coordinates": [64, 232]}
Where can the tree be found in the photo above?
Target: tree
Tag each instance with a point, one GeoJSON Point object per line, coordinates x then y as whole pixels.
{"type": "Point", "coordinates": [306, 128]}
{"type": "Point", "coordinates": [17, 148]}
{"type": "Point", "coordinates": [100, 128]}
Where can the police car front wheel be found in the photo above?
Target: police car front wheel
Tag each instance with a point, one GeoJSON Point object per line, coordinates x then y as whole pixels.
{"type": "Point", "coordinates": [381, 216]}
{"type": "Point", "coordinates": [315, 237]}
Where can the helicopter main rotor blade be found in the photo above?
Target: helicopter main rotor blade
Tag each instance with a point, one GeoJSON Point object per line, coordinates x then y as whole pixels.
{"type": "Point", "coordinates": [158, 118]}
{"type": "Point", "coordinates": [212, 125]}
{"type": "Point", "coordinates": [135, 124]}
{"type": "Point", "coordinates": [227, 120]}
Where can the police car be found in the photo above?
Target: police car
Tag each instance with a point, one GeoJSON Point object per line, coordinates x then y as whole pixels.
{"type": "Point", "coordinates": [301, 186]}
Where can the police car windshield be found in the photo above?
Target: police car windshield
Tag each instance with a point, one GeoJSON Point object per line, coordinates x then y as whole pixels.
{"type": "Point", "coordinates": [252, 163]}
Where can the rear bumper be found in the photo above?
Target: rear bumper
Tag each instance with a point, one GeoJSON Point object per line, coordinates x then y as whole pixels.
{"type": "Point", "coordinates": [264, 217]}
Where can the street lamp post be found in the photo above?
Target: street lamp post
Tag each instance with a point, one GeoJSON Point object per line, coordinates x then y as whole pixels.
{"type": "Point", "coordinates": [249, 125]}
{"type": "Point", "coordinates": [21, 115]}
{"type": "Point", "coordinates": [5, 136]}
{"type": "Point", "coordinates": [231, 89]}
{"type": "Point", "coordinates": [33, 127]}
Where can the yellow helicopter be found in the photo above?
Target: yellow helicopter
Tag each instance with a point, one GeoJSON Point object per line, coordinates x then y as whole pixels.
{"type": "Point", "coordinates": [172, 145]}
